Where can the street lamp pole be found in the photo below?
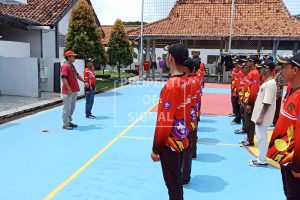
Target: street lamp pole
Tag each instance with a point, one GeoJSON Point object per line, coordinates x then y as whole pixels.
{"type": "Point", "coordinates": [141, 70]}
{"type": "Point", "coordinates": [231, 26]}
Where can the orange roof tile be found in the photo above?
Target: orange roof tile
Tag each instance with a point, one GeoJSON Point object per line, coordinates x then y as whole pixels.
{"type": "Point", "coordinates": [211, 19]}
{"type": "Point", "coordinates": [38, 12]}
{"type": "Point", "coordinates": [107, 30]}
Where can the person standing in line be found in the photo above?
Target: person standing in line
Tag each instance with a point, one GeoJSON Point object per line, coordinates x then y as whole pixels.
{"type": "Point", "coordinates": [284, 146]}
{"type": "Point", "coordinates": [236, 78]}
{"type": "Point", "coordinates": [70, 88]}
{"type": "Point", "coordinates": [264, 111]}
{"type": "Point", "coordinates": [189, 71]}
{"type": "Point", "coordinates": [280, 83]}
{"type": "Point", "coordinates": [252, 88]}
{"type": "Point", "coordinates": [198, 106]}
{"type": "Point", "coordinates": [172, 129]}
{"type": "Point", "coordinates": [89, 87]}
{"type": "Point", "coordinates": [233, 87]}
{"type": "Point", "coordinates": [241, 92]}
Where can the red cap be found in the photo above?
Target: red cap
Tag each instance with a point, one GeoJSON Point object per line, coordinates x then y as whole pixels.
{"type": "Point", "coordinates": [70, 53]}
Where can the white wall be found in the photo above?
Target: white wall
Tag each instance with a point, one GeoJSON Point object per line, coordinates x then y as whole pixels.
{"type": "Point", "coordinates": [14, 49]}
{"type": "Point", "coordinates": [28, 36]}
{"type": "Point", "coordinates": [49, 44]}
{"type": "Point", "coordinates": [19, 76]}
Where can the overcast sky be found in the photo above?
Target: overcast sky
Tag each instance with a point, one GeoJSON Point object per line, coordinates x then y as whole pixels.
{"type": "Point", "coordinates": [130, 10]}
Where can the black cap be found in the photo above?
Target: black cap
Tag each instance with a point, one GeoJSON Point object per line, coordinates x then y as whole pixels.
{"type": "Point", "coordinates": [268, 63]}
{"type": "Point", "coordinates": [234, 59]}
{"type": "Point", "coordinates": [179, 52]}
{"type": "Point", "coordinates": [239, 59]}
{"type": "Point", "coordinates": [289, 58]}
{"type": "Point", "coordinates": [253, 58]}
{"type": "Point", "coordinates": [88, 60]}
{"type": "Point", "coordinates": [244, 64]}
{"type": "Point", "coordinates": [189, 63]}
{"type": "Point", "coordinates": [197, 63]}
{"type": "Point", "coordinates": [268, 57]}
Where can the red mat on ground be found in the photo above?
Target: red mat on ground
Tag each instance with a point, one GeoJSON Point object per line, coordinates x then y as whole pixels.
{"type": "Point", "coordinates": [216, 85]}
{"type": "Point", "coordinates": [213, 104]}
{"type": "Point", "coordinates": [216, 104]}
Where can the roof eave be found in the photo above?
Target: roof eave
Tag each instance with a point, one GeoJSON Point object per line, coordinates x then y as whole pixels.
{"type": "Point", "coordinates": [221, 37]}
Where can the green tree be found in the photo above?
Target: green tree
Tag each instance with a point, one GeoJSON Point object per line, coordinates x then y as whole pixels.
{"type": "Point", "coordinates": [84, 36]}
{"type": "Point", "coordinates": [120, 50]}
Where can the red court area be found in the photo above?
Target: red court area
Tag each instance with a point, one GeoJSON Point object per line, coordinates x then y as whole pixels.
{"type": "Point", "coordinates": [214, 103]}
{"type": "Point", "coordinates": [217, 86]}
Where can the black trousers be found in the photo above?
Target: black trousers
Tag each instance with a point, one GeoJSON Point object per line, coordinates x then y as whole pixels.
{"type": "Point", "coordinates": [193, 143]}
{"type": "Point", "coordinates": [237, 110]}
{"type": "Point", "coordinates": [250, 126]}
{"type": "Point", "coordinates": [171, 168]}
{"type": "Point", "coordinates": [277, 112]}
{"type": "Point", "coordinates": [242, 110]}
{"type": "Point", "coordinates": [291, 185]}
{"type": "Point", "coordinates": [186, 167]}
{"type": "Point", "coordinates": [232, 103]}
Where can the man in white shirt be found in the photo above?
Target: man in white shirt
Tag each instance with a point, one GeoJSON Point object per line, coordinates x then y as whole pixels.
{"type": "Point", "coordinates": [264, 111]}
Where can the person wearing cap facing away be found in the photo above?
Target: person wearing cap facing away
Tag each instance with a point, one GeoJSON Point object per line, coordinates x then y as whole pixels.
{"type": "Point", "coordinates": [198, 106]}
{"type": "Point", "coordinates": [233, 75]}
{"type": "Point", "coordinates": [284, 145]}
{"type": "Point", "coordinates": [236, 77]}
{"type": "Point", "coordinates": [264, 111]}
{"type": "Point", "coordinates": [189, 72]}
{"type": "Point", "coordinates": [252, 88]}
{"type": "Point", "coordinates": [70, 88]}
{"type": "Point", "coordinates": [89, 87]}
{"type": "Point", "coordinates": [241, 92]}
{"type": "Point", "coordinates": [172, 126]}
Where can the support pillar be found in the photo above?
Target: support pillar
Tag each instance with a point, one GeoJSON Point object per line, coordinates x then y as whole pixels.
{"type": "Point", "coordinates": [258, 47]}
{"type": "Point", "coordinates": [225, 73]}
{"type": "Point", "coordinates": [153, 58]}
{"type": "Point", "coordinates": [148, 45]}
{"type": "Point", "coordinates": [140, 59]}
{"type": "Point", "coordinates": [275, 48]}
{"type": "Point", "coordinates": [296, 47]}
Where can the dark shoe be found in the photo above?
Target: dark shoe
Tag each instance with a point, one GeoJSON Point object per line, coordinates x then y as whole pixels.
{"type": "Point", "coordinates": [255, 163]}
{"type": "Point", "coordinates": [90, 117]}
{"type": "Point", "coordinates": [247, 144]}
{"type": "Point", "coordinates": [231, 115]}
{"type": "Point", "coordinates": [73, 125]}
{"type": "Point", "coordinates": [68, 127]}
{"type": "Point", "coordinates": [93, 116]}
{"type": "Point", "coordinates": [185, 182]}
{"type": "Point", "coordinates": [239, 131]}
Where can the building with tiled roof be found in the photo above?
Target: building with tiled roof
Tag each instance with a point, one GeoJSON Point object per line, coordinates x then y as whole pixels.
{"type": "Point", "coordinates": [107, 30]}
{"type": "Point", "coordinates": [264, 26]}
{"type": "Point", "coordinates": [256, 20]}
{"type": "Point", "coordinates": [42, 24]}
{"type": "Point", "coordinates": [38, 12]}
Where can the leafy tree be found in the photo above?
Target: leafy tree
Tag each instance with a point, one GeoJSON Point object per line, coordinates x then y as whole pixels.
{"type": "Point", "coordinates": [120, 50]}
{"type": "Point", "coordinates": [84, 36]}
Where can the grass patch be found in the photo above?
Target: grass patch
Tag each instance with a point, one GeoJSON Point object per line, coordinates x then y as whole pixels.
{"type": "Point", "coordinates": [102, 84]}
{"type": "Point", "coordinates": [112, 73]}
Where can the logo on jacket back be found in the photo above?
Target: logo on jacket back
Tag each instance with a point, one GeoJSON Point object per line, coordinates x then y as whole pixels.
{"type": "Point", "coordinates": [193, 113]}
{"type": "Point", "coordinates": [167, 105]}
{"type": "Point", "coordinates": [180, 129]}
